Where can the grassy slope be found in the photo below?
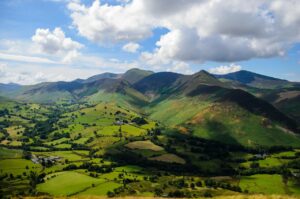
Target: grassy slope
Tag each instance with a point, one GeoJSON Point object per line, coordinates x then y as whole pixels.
{"type": "Point", "coordinates": [286, 100]}
{"type": "Point", "coordinates": [134, 75]}
{"type": "Point", "coordinates": [255, 196]}
{"type": "Point", "coordinates": [67, 183]}
{"type": "Point", "coordinates": [129, 99]}
{"type": "Point", "coordinates": [224, 122]}
{"type": "Point", "coordinates": [232, 124]}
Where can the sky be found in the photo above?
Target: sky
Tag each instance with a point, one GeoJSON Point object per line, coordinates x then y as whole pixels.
{"type": "Point", "coordinates": [62, 40]}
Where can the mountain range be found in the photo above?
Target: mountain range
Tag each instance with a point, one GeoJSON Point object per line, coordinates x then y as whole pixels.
{"type": "Point", "coordinates": [237, 108]}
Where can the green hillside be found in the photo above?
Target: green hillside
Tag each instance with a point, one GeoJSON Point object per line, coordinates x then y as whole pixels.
{"type": "Point", "coordinates": [114, 142]}
{"type": "Point", "coordinates": [134, 75]}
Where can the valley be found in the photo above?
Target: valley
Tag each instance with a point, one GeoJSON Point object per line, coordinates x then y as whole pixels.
{"type": "Point", "coordinates": [149, 134]}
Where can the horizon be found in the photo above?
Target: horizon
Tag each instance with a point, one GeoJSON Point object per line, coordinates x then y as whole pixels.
{"type": "Point", "coordinates": [140, 69]}
{"type": "Point", "coordinates": [63, 40]}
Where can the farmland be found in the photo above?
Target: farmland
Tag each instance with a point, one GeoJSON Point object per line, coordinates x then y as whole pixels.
{"type": "Point", "coordinates": [104, 149]}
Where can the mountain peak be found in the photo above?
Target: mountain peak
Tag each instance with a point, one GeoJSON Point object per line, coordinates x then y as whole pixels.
{"type": "Point", "coordinates": [255, 80]}
{"type": "Point", "coordinates": [102, 76]}
{"type": "Point", "coordinates": [205, 77]}
{"type": "Point", "coordinates": [135, 74]}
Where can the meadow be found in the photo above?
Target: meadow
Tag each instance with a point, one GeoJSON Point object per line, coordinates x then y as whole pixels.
{"type": "Point", "coordinates": [102, 149]}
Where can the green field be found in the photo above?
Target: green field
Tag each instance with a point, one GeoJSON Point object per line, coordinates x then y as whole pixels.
{"type": "Point", "coordinates": [116, 148]}
{"type": "Point", "coordinates": [67, 183]}
{"type": "Point", "coordinates": [267, 184]}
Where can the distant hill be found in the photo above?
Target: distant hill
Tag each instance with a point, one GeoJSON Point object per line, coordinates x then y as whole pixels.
{"type": "Point", "coordinates": [201, 104]}
{"type": "Point", "coordinates": [157, 84]}
{"type": "Point", "coordinates": [102, 76]}
{"type": "Point", "coordinates": [255, 80]}
{"type": "Point", "coordinates": [10, 86]}
{"type": "Point", "coordinates": [134, 75]}
{"type": "Point", "coordinates": [287, 100]}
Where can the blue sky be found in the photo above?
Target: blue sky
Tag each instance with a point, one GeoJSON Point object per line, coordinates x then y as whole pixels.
{"type": "Point", "coordinates": [50, 40]}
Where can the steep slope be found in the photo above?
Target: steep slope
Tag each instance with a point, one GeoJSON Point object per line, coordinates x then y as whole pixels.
{"type": "Point", "coordinates": [282, 94]}
{"type": "Point", "coordinates": [198, 104]}
{"type": "Point", "coordinates": [9, 87]}
{"type": "Point", "coordinates": [286, 100]}
{"type": "Point", "coordinates": [157, 84]}
{"type": "Point", "coordinates": [255, 80]}
{"type": "Point", "coordinates": [70, 92]}
{"type": "Point", "coordinates": [112, 90]}
{"type": "Point", "coordinates": [102, 76]}
{"type": "Point", "coordinates": [203, 106]}
{"type": "Point", "coordinates": [189, 83]}
{"type": "Point", "coordinates": [134, 75]}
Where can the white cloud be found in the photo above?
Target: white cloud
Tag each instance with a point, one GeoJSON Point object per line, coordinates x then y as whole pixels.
{"type": "Point", "coordinates": [22, 58]}
{"type": "Point", "coordinates": [56, 42]}
{"type": "Point", "coordinates": [156, 63]}
{"type": "Point", "coordinates": [225, 69]}
{"type": "Point", "coordinates": [199, 30]}
{"type": "Point", "coordinates": [131, 47]}
{"type": "Point", "coordinates": [10, 75]}
{"type": "Point", "coordinates": [106, 23]}
{"type": "Point", "coordinates": [28, 74]}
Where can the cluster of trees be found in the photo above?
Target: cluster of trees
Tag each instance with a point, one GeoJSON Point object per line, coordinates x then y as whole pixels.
{"type": "Point", "coordinates": [57, 135]}
{"type": "Point", "coordinates": [90, 167]}
{"type": "Point", "coordinates": [256, 169]}
{"type": "Point", "coordinates": [139, 120]}
{"type": "Point", "coordinates": [43, 128]}
{"type": "Point", "coordinates": [4, 112]}
{"type": "Point", "coordinates": [215, 184]}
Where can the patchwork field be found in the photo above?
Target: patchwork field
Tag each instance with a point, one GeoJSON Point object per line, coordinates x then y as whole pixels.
{"type": "Point", "coordinates": [108, 150]}
{"type": "Point", "coordinates": [144, 145]}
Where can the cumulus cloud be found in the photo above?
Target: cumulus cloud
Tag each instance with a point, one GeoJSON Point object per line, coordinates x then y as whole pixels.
{"type": "Point", "coordinates": [28, 74]}
{"type": "Point", "coordinates": [22, 58]}
{"type": "Point", "coordinates": [104, 23]}
{"type": "Point", "coordinates": [225, 69]}
{"type": "Point", "coordinates": [131, 47]}
{"type": "Point", "coordinates": [11, 74]}
{"type": "Point", "coordinates": [156, 63]}
{"type": "Point", "coordinates": [55, 42]}
{"type": "Point", "coordinates": [199, 30]}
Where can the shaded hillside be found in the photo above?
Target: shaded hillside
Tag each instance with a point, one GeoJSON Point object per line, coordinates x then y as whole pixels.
{"type": "Point", "coordinates": [67, 92]}
{"type": "Point", "coordinates": [198, 104]}
{"type": "Point", "coordinates": [9, 87]}
{"type": "Point", "coordinates": [286, 100]}
{"type": "Point", "coordinates": [134, 75]}
{"type": "Point", "coordinates": [255, 80]}
{"type": "Point", "coordinates": [223, 114]}
{"type": "Point", "coordinates": [189, 83]}
{"type": "Point", "coordinates": [102, 76]}
{"type": "Point", "coordinates": [157, 83]}
{"type": "Point", "coordinates": [259, 107]}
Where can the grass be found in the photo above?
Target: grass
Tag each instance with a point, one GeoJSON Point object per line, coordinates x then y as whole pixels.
{"type": "Point", "coordinates": [67, 183]}
{"type": "Point", "coordinates": [101, 189]}
{"type": "Point", "coordinates": [233, 125]}
{"type": "Point", "coordinates": [9, 153]}
{"type": "Point", "coordinates": [169, 158]}
{"type": "Point", "coordinates": [85, 121]}
{"type": "Point", "coordinates": [170, 111]}
{"type": "Point", "coordinates": [262, 183]}
{"type": "Point", "coordinates": [241, 196]}
{"type": "Point", "coordinates": [129, 168]}
{"type": "Point", "coordinates": [70, 155]}
{"type": "Point", "coordinates": [144, 145]}
{"type": "Point", "coordinates": [17, 166]}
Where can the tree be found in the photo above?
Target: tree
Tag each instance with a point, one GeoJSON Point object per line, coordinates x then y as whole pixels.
{"type": "Point", "coordinates": [254, 165]}
{"type": "Point", "coordinates": [33, 179]}
{"type": "Point", "coordinates": [26, 155]}
{"type": "Point", "coordinates": [192, 185]}
{"type": "Point", "coordinates": [110, 194]}
{"type": "Point", "coordinates": [158, 192]}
